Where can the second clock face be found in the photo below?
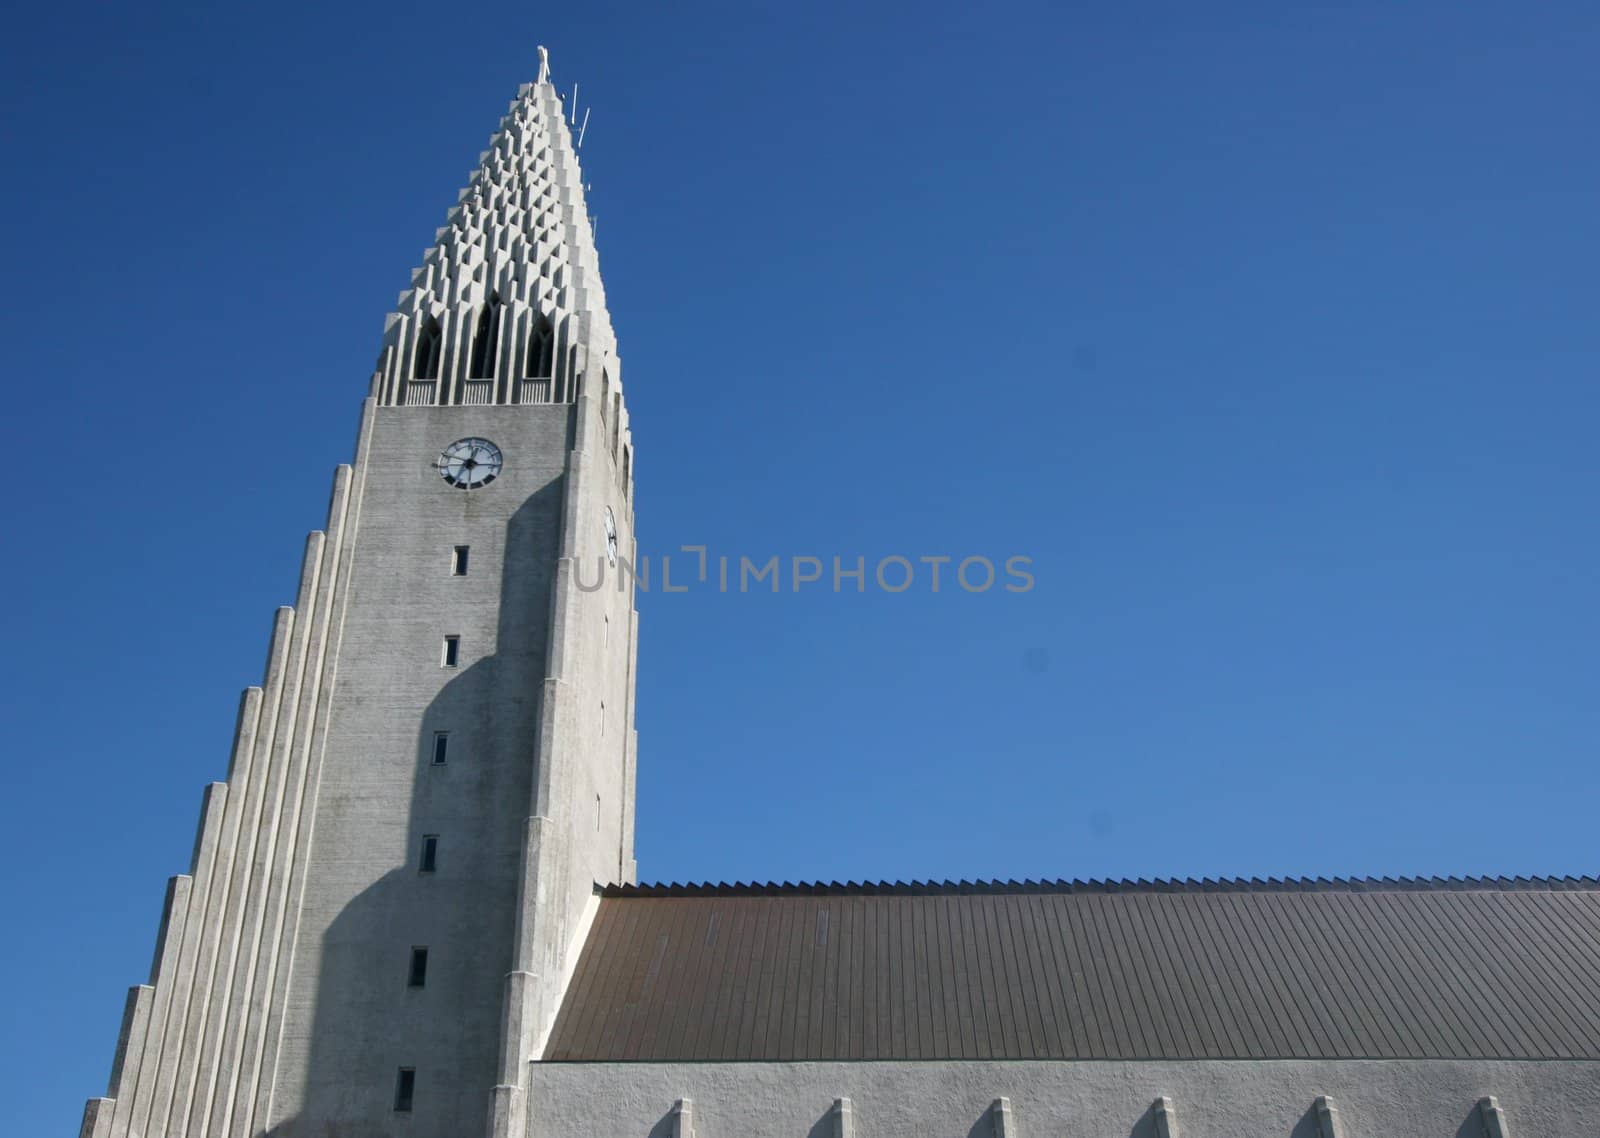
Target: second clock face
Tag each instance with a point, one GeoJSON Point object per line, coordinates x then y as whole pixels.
{"type": "Point", "coordinates": [469, 463]}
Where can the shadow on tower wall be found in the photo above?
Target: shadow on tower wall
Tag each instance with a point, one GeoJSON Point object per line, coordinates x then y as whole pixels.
{"type": "Point", "coordinates": [368, 1022]}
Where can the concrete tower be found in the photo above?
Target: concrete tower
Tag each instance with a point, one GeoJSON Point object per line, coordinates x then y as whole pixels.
{"type": "Point", "coordinates": [389, 889]}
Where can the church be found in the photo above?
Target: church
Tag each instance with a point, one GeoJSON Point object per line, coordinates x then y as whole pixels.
{"type": "Point", "coordinates": [413, 908]}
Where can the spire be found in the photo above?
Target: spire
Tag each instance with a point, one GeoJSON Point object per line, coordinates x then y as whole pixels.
{"type": "Point", "coordinates": [507, 306]}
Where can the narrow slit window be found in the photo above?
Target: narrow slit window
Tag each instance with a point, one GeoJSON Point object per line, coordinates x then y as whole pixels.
{"type": "Point", "coordinates": [452, 651]}
{"type": "Point", "coordinates": [430, 854]}
{"type": "Point", "coordinates": [441, 747]}
{"type": "Point", "coordinates": [486, 342]}
{"type": "Point", "coordinates": [430, 341]}
{"type": "Point", "coordinates": [458, 560]}
{"type": "Point", "coordinates": [541, 350]}
{"type": "Point", "coordinates": [418, 976]}
{"type": "Point", "coordinates": [405, 1089]}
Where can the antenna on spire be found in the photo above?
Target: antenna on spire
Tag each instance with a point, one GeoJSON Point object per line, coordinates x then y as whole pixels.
{"type": "Point", "coordinates": [574, 104]}
{"type": "Point", "coordinates": [585, 125]}
{"type": "Point", "coordinates": [544, 65]}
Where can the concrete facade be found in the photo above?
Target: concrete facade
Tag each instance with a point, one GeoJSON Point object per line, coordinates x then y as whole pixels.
{"type": "Point", "coordinates": [282, 999]}
{"type": "Point", "coordinates": [1265, 1099]}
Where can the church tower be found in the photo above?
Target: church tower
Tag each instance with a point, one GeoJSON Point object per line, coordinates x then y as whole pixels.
{"type": "Point", "coordinates": [389, 890]}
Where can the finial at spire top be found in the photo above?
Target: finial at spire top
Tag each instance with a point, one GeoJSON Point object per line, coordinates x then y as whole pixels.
{"type": "Point", "coordinates": [544, 65]}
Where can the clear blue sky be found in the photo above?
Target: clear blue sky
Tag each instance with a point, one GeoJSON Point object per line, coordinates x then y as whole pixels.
{"type": "Point", "coordinates": [1268, 334]}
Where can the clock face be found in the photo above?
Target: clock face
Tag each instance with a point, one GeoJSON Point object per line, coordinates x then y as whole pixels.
{"type": "Point", "coordinates": [470, 463]}
{"type": "Point", "coordinates": [611, 537]}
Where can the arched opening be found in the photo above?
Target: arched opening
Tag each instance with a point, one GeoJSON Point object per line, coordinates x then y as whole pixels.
{"type": "Point", "coordinates": [430, 344]}
{"type": "Point", "coordinates": [485, 341]}
{"type": "Point", "coordinates": [541, 350]}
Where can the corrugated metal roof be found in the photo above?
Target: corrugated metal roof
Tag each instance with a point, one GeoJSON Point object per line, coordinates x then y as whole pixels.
{"type": "Point", "coordinates": [1337, 969]}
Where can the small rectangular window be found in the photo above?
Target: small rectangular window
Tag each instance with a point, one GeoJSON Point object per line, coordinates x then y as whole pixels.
{"type": "Point", "coordinates": [441, 747]}
{"type": "Point", "coordinates": [458, 561]}
{"type": "Point", "coordinates": [452, 651]}
{"type": "Point", "coordinates": [430, 853]}
{"type": "Point", "coordinates": [418, 977]}
{"type": "Point", "coordinates": [405, 1088]}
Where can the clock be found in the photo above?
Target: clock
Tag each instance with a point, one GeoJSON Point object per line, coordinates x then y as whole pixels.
{"type": "Point", "coordinates": [469, 463]}
{"type": "Point", "coordinates": [611, 536]}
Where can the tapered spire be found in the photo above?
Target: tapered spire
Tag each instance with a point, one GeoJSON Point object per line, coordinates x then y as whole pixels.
{"type": "Point", "coordinates": [508, 302]}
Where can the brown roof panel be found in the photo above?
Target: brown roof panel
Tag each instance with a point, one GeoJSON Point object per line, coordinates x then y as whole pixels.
{"type": "Point", "coordinates": [1300, 969]}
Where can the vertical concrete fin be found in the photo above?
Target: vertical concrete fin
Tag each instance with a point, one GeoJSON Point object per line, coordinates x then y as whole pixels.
{"type": "Point", "coordinates": [683, 1118]}
{"type": "Point", "coordinates": [134, 1015]}
{"type": "Point", "coordinates": [130, 1050]}
{"type": "Point", "coordinates": [205, 833]}
{"type": "Point", "coordinates": [310, 570]}
{"type": "Point", "coordinates": [518, 1013]}
{"type": "Point", "coordinates": [521, 1012]}
{"type": "Point", "coordinates": [220, 1027]}
{"type": "Point", "coordinates": [332, 602]}
{"type": "Point", "coordinates": [1328, 1124]}
{"type": "Point", "coordinates": [134, 1103]}
{"type": "Point", "coordinates": [190, 1062]}
{"type": "Point", "coordinates": [244, 729]}
{"type": "Point", "coordinates": [96, 1118]}
{"type": "Point", "coordinates": [154, 1103]}
{"type": "Point", "coordinates": [1000, 1117]}
{"type": "Point", "coordinates": [506, 1107]}
{"type": "Point", "coordinates": [559, 983]}
{"type": "Point", "coordinates": [533, 841]}
{"type": "Point", "coordinates": [561, 862]}
{"type": "Point", "coordinates": [262, 890]}
{"type": "Point", "coordinates": [197, 1048]}
{"type": "Point", "coordinates": [286, 878]}
{"type": "Point", "coordinates": [174, 907]}
{"type": "Point", "coordinates": [1165, 1116]}
{"type": "Point", "coordinates": [844, 1118]}
{"type": "Point", "coordinates": [363, 444]}
{"type": "Point", "coordinates": [338, 499]}
{"type": "Point", "coordinates": [519, 996]}
{"type": "Point", "coordinates": [278, 643]}
{"type": "Point", "coordinates": [630, 769]}
{"type": "Point", "coordinates": [1493, 1118]}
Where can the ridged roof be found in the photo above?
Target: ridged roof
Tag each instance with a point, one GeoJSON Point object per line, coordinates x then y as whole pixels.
{"type": "Point", "coordinates": [1390, 968]}
{"type": "Point", "coordinates": [1103, 885]}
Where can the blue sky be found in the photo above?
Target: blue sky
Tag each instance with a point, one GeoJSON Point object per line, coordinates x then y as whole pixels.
{"type": "Point", "coordinates": [1266, 332]}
